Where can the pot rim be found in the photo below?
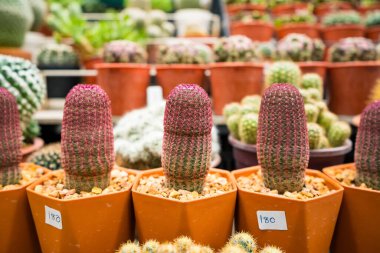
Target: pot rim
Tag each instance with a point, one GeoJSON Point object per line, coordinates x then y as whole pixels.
{"type": "Point", "coordinates": [121, 65]}
{"type": "Point", "coordinates": [351, 64]}
{"type": "Point", "coordinates": [252, 24]}
{"type": "Point", "coordinates": [160, 171]}
{"type": "Point", "coordinates": [180, 66]}
{"type": "Point", "coordinates": [236, 7]}
{"type": "Point", "coordinates": [215, 65]}
{"type": "Point", "coordinates": [37, 144]}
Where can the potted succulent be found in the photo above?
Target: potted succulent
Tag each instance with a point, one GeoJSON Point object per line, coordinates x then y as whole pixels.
{"type": "Point", "coordinates": [285, 7]}
{"type": "Point", "coordinates": [372, 23]}
{"type": "Point", "coordinates": [324, 7]}
{"type": "Point", "coordinates": [255, 25]}
{"type": "Point", "coordinates": [302, 21]}
{"type": "Point", "coordinates": [280, 201]}
{"type": "Point", "coordinates": [358, 218]}
{"type": "Point", "coordinates": [342, 24]}
{"type": "Point", "coordinates": [186, 197]}
{"type": "Point", "coordinates": [17, 228]}
{"type": "Point", "coordinates": [124, 75]}
{"type": "Point", "coordinates": [266, 51]}
{"type": "Point", "coordinates": [88, 204]}
{"type": "Point", "coordinates": [48, 157]}
{"type": "Point", "coordinates": [182, 61]}
{"type": "Point", "coordinates": [234, 75]}
{"type": "Point", "coordinates": [352, 74]}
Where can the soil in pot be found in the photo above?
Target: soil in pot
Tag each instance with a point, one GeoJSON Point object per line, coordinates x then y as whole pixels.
{"type": "Point", "coordinates": [257, 31]}
{"type": "Point", "coordinates": [335, 33]}
{"type": "Point", "coordinates": [311, 30]}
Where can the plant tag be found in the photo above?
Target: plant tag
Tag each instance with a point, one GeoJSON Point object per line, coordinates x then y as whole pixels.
{"type": "Point", "coordinates": [53, 217]}
{"type": "Point", "coordinates": [272, 220]}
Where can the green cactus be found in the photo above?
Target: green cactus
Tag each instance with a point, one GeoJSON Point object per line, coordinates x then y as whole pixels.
{"type": "Point", "coordinates": [150, 246]}
{"type": "Point", "coordinates": [326, 118]}
{"type": "Point", "coordinates": [306, 96]}
{"type": "Point", "coordinates": [48, 157]}
{"type": "Point", "coordinates": [321, 105]}
{"type": "Point", "coordinates": [342, 18]}
{"type": "Point", "coordinates": [244, 241]}
{"type": "Point", "coordinates": [311, 112]}
{"type": "Point", "coordinates": [353, 49]}
{"type": "Point", "coordinates": [231, 109]}
{"type": "Point", "coordinates": [315, 134]}
{"type": "Point", "coordinates": [338, 133]}
{"type": "Point", "coordinates": [183, 244]}
{"type": "Point", "coordinates": [271, 249]}
{"type": "Point", "coordinates": [295, 47]}
{"type": "Point", "coordinates": [266, 51]}
{"type": "Point", "coordinates": [57, 56]}
{"type": "Point", "coordinates": [283, 72]}
{"type": "Point", "coordinates": [324, 143]}
{"type": "Point", "coordinates": [31, 131]}
{"type": "Point", "coordinates": [318, 50]}
{"type": "Point", "coordinates": [167, 248]}
{"type": "Point", "coordinates": [237, 48]}
{"type": "Point", "coordinates": [312, 80]}
{"type": "Point", "coordinates": [233, 125]}
{"type": "Point", "coordinates": [373, 19]}
{"type": "Point", "coordinates": [248, 128]}
{"type": "Point", "coordinates": [314, 94]}
{"type": "Point", "coordinates": [39, 10]}
{"type": "Point", "coordinates": [129, 247]}
{"type": "Point", "coordinates": [253, 100]}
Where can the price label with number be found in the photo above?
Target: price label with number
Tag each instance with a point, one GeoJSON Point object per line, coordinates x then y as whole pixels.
{"type": "Point", "coordinates": [272, 220]}
{"type": "Point", "coordinates": [53, 217]}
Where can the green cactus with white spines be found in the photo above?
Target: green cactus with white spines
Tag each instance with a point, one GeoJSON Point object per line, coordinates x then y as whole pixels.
{"type": "Point", "coordinates": [347, 17]}
{"type": "Point", "coordinates": [150, 246]}
{"type": "Point", "coordinates": [315, 134]}
{"type": "Point", "coordinates": [129, 247]}
{"type": "Point", "coordinates": [253, 100]}
{"type": "Point", "coordinates": [283, 72]}
{"type": "Point", "coordinates": [311, 112]}
{"type": "Point", "coordinates": [324, 143]}
{"type": "Point", "coordinates": [314, 94]}
{"type": "Point", "coordinates": [306, 96]}
{"type": "Point", "coordinates": [326, 118]}
{"type": "Point", "coordinates": [55, 56]}
{"type": "Point", "coordinates": [373, 19]}
{"type": "Point", "coordinates": [338, 133]}
{"type": "Point", "coordinates": [233, 125]}
{"type": "Point", "coordinates": [183, 244]}
{"type": "Point", "coordinates": [312, 80]}
{"type": "Point", "coordinates": [248, 128]}
{"type": "Point", "coordinates": [244, 241]}
{"type": "Point", "coordinates": [200, 249]}
{"type": "Point", "coordinates": [31, 131]}
{"type": "Point", "coordinates": [321, 105]}
{"type": "Point", "coordinates": [271, 249]}
{"type": "Point", "coordinates": [231, 109]}
{"type": "Point", "coordinates": [246, 109]}
{"type": "Point", "coordinates": [48, 157]}
{"type": "Point", "coordinates": [167, 248]}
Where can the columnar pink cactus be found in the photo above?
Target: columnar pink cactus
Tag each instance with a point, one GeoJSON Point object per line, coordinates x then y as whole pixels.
{"type": "Point", "coordinates": [87, 138]}
{"type": "Point", "coordinates": [367, 151]}
{"type": "Point", "coordinates": [10, 138]}
{"type": "Point", "coordinates": [282, 139]}
{"type": "Point", "coordinates": [186, 153]}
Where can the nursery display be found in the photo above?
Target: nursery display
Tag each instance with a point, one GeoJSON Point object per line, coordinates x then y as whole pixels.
{"type": "Point", "coordinates": [302, 21]}
{"type": "Point", "coordinates": [358, 219]}
{"type": "Point", "coordinates": [281, 190]}
{"type": "Point", "coordinates": [372, 22]}
{"type": "Point", "coordinates": [186, 197]}
{"type": "Point", "coordinates": [324, 7]}
{"type": "Point", "coordinates": [48, 157]}
{"type": "Point", "coordinates": [61, 200]}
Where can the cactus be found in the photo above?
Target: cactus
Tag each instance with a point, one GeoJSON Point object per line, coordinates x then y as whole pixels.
{"type": "Point", "coordinates": [124, 51]}
{"type": "Point", "coordinates": [314, 94]}
{"type": "Point", "coordinates": [87, 138]}
{"type": "Point", "coordinates": [199, 249]}
{"type": "Point", "coordinates": [373, 19]}
{"type": "Point", "coordinates": [183, 244]}
{"type": "Point", "coordinates": [271, 249]}
{"type": "Point", "coordinates": [326, 118]}
{"type": "Point", "coordinates": [315, 135]}
{"type": "Point", "coordinates": [367, 151]}
{"type": "Point", "coordinates": [39, 10]}
{"type": "Point", "coordinates": [253, 100]}
{"type": "Point", "coordinates": [342, 18]}
{"type": "Point", "coordinates": [324, 143]}
{"type": "Point", "coordinates": [57, 56]}
{"type": "Point", "coordinates": [166, 248]}
{"type": "Point", "coordinates": [31, 131]}
{"type": "Point", "coordinates": [186, 148]}
{"type": "Point", "coordinates": [129, 247]}
{"type": "Point", "coordinates": [244, 241]}
{"type": "Point", "coordinates": [237, 48]}
{"type": "Point", "coordinates": [311, 112]}
{"type": "Point", "coordinates": [10, 132]}
{"type": "Point", "coordinates": [312, 80]}
{"type": "Point", "coordinates": [47, 157]}
{"type": "Point", "coordinates": [248, 128]}
{"type": "Point", "coordinates": [265, 51]}
{"type": "Point", "coordinates": [299, 16]}
{"type": "Point", "coordinates": [353, 49]}
{"type": "Point", "coordinates": [306, 96]}
{"type": "Point", "coordinates": [283, 72]}
{"type": "Point", "coordinates": [250, 16]}
{"type": "Point", "coordinates": [231, 109]}
{"type": "Point", "coordinates": [282, 143]}
{"type": "Point", "coordinates": [318, 50]}
{"type": "Point", "coordinates": [246, 109]}
{"type": "Point", "coordinates": [338, 133]}
{"type": "Point", "coordinates": [233, 125]}
{"type": "Point", "coordinates": [150, 246]}
{"type": "Point", "coordinates": [232, 249]}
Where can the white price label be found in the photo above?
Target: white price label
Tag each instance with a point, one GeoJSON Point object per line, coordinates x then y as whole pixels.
{"type": "Point", "coordinates": [53, 217]}
{"type": "Point", "coordinates": [272, 220]}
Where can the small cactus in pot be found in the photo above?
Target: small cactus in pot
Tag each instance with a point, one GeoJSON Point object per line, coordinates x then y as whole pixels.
{"type": "Point", "coordinates": [237, 48]}
{"type": "Point", "coordinates": [124, 51]}
{"type": "Point", "coordinates": [283, 72]}
{"type": "Point", "coordinates": [353, 49]}
{"type": "Point", "coordinates": [342, 18]}
{"type": "Point", "coordinates": [57, 56]}
{"type": "Point", "coordinates": [338, 133]}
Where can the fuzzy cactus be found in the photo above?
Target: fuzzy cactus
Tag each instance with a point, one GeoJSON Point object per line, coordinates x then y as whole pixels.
{"type": "Point", "coordinates": [318, 50]}
{"type": "Point", "coordinates": [250, 16]}
{"type": "Point", "coordinates": [367, 151]}
{"type": "Point", "coordinates": [237, 48]}
{"type": "Point", "coordinates": [312, 112]}
{"type": "Point", "coordinates": [326, 118]}
{"type": "Point", "coordinates": [150, 246]}
{"type": "Point", "coordinates": [342, 18]}
{"type": "Point", "coordinates": [124, 51]}
{"type": "Point", "coordinates": [315, 135]}
{"type": "Point", "coordinates": [129, 247]}
{"type": "Point", "coordinates": [314, 94]}
{"type": "Point", "coordinates": [353, 49]}
{"type": "Point", "coordinates": [283, 72]}
{"type": "Point", "coordinates": [87, 138]}
{"type": "Point", "coordinates": [265, 51]}
{"type": "Point", "coordinates": [324, 143]}
{"type": "Point", "coordinates": [57, 56]}
{"type": "Point", "coordinates": [244, 241]}
{"type": "Point", "coordinates": [271, 249]}
{"type": "Point", "coordinates": [183, 244]}
{"type": "Point", "coordinates": [312, 80]}
{"type": "Point", "coordinates": [167, 248]}
{"type": "Point", "coordinates": [298, 17]}
{"type": "Point", "coordinates": [248, 128]}
{"type": "Point", "coordinates": [48, 157]}
{"type": "Point", "coordinates": [233, 125]}
{"type": "Point", "coordinates": [338, 133]}
{"type": "Point", "coordinates": [282, 142]}
{"type": "Point", "coordinates": [253, 100]}
{"type": "Point", "coordinates": [231, 109]}
{"type": "Point", "coordinates": [186, 148]}
{"type": "Point", "coordinates": [10, 132]}
{"type": "Point", "coordinates": [375, 92]}
{"type": "Point", "coordinates": [200, 249]}
{"type": "Point", "coordinates": [373, 19]}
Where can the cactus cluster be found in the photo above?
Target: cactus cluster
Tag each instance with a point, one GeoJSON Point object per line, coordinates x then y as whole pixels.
{"type": "Point", "coordinates": [283, 72]}
{"type": "Point", "coordinates": [348, 17]}
{"type": "Point", "coordinates": [244, 241]}
{"type": "Point", "coordinates": [57, 56]}
{"type": "Point", "coordinates": [251, 16]}
{"type": "Point", "coordinates": [312, 81]}
{"type": "Point", "coordinates": [48, 157]}
{"type": "Point", "coordinates": [236, 48]}
{"type": "Point", "coordinates": [338, 133]}
{"type": "Point", "coordinates": [373, 19]}
{"type": "Point", "coordinates": [87, 138]}
{"type": "Point", "coordinates": [124, 51]}
{"type": "Point", "coordinates": [302, 16]}
{"type": "Point", "coordinates": [265, 51]}
{"type": "Point", "coordinates": [353, 49]}
{"type": "Point", "coordinates": [150, 246]}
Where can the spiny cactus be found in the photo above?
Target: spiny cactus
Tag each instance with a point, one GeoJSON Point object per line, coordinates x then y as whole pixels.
{"type": "Point", "coordinates": [231, 109]}
{"type": "Point", "coordinates": [375, 92]}
{"type": "Point", "coordinates": [283, 72]}
{"type": "Point", "coordinates": [315, 135]}
{"type": "Point", "coordinates": [87, 138]}
{"type": "Point", "coordinates": [253, 100]}
{"type": "Point", "coordinates": [326, 118]}
{"type": "Point", "coordinates": [10, 133]}
{"type": "Point", "coordinates": [48, 157]}
{"type": "Point", "coordinates": [250, 16]}
{"type": "Point", "coordinates": [237, 48]}
{"type": "Point", "coordinates": [167, 248]}
{"type": "Point", "coordinates": [324, 143]}
{"type": "Point", "coordinates": [282, 142]}
{"type": "Point", "coordinates": [186, 151]}
{"type": "Point", "coordinates": [311, 112]}
{"type": "Point", "coordinates": [183, 244]}
{"type": "Point", "coordinates": [124, 51]}
{"type": "Point", "coordinates": [55, 56]}
{"type": "Point", "coordinates": [265, 51]}
{"type": "Point", "coordinates": [314, 94]}
{"type": "Point", "coordinates": [248, 128]}
{"type": "Point", "coordinates": [353, 49]}
{"type": "Point", "coordinates": [150, 246]}
{"type": "Point", "coordinates": [342, 18]}
{"type": "Point", "coordinates": [299, 16]}
{"type": "Point", "coordinates": [318, 50]}
{"type": "Point", "coordinates": [232, 249]}
{"type": "Point", "coordinates": [129, 247]}
{"type": "Point", "coordinates": [246, 109]}
{"type": "Point", "coordinates": [312, 80]}
{"type": "Point", "coordinates": [245, 241]}
{"type": "Point", "coordinates": [373, 19]}
{"type": "Point", "coordinates": [233, 125]}
{"type": "Point", "coordinates": [321, 105]}
{"type": "Point", "coordinates": [338, 133]}
{"type": "Point", "coordinates": [271, 249]}
{"type": "Point", "coordinates": [367, 151]}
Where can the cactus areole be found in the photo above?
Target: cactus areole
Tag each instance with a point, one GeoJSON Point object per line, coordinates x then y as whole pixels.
{"type": "Point", "coordinates": [87, 138]}
{"type": "Point", "coordinates": [282, 140]}
{"type": "Point", "coordinates": [186, 149]}
{"type": "Point", "coordinates": [10, 137]}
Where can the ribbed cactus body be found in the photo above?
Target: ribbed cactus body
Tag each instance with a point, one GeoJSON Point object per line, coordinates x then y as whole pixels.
{"type": "Point", "coordinates": [282, 142]}
{"type": "Point", "coordinates": [186, 149]}
{"type": "Point", "coordinates": [233, 125]}
{"type": "Point", "coordinates": [10, 133]}
{"type": "Point", "coordinates": [311, 112]}
{"type": "Point", "coordinates": [87, 138]}
{"type": "Point", "coordinates": [231, 109]}
{"type": "Point", "coordinates": [283, 72]}
{"type": "Point", "coordinates": [315, 135]}
{"type": "Point", "coordinates": [326, 118]}
{"type": "Point", "coordinates": [244, 241]}
{"type": "Point", "coordinates": [324, 143]}
{"type": "Point", "coordinates": [48, 157]}
{"type": "Point", "coordinates": [367, 151]}
{"type": "Point", "coordinates": [253, 100]}
{"type": "Point", "coordinates": [57, 56]}
{"type": "Point", "coordinates": [248, 128]}
{"type": "Point", "coordinates": [312, 80]}
{"type": "Point", "coordinates": [338, 133]}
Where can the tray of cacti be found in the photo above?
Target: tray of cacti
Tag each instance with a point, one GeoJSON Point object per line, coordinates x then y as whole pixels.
{"type": "Point", "coordinates": [186, 197]}
{"type": "Point", "coordinates": [358, 222]}
{"type": "Point", "coordinates": [301, 21]}
{"type": "Point", "coordinates": [286, 7]}
{"type": "Point", "coordinates": [235, 73]}
{"type": "Point", "coordinates": [280, 201]}
{"type": "Point", "coordinates": [236, 6]}
{"type": "Point", "coordinates": [124, 75]}
{"type": "Point", "coordinates": [86, 207]}
{"type": "Point", "coordinates": [17, 229]}
{"type": "Point", "coordinates": [182, 61]}
{"type": "Point", "coordinates": [324, 7]}
{"type": "Point", "coordinates": [353, 72]}
{"type": "Point", "coordinates": [372, 22]}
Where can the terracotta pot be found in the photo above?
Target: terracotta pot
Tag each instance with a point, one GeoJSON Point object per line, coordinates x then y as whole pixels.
{"type": "Point", "coordinates": [91, 224]}
{"type": "Point", "coordinates": [288, 9]}
{"type": "Point", "coordinates": [125, 85]}
{"type": "Point", "coordinates": [335, 33]}
{"type": "Point", "coordinates": [318, 67]}
{"type": "Point", "coordinates": [27, 150]}
{"type": "Point", "coordinates": [373, 33]}
{"type": "Point", "coordinates": [18, 233]}
{"type": "Point", "coordinates": [258, 31]}
{"type": "Point", "coordinates": [207, 221]}
{"type": "Point", "coordinates": [310, 223]}
{"type": "Point", "coordinates": [236, 8]}
{"type": "Point", "coordinates": [357, 229]}
{"type": "Point", "coordinates": [170, 75]}
{"type": "Point", "coordinates": [311, 30]}
{"type": "Point", "coordinates": [90, 63]}
{"type": "Point", "coordinates": [364, 9]}
{"type": "Point", "coordinates": [17, 52]}
{"type": "Point", "coordinates": [324, 8]}
{"type": "Point", "coordinates": [231, 81]}
{"type": "Point", "coordinates": [349, 85]}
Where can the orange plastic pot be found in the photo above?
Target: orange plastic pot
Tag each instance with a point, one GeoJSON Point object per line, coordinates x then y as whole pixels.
{"type": "Point", "coordinates": [18, 233]}
{"type": "Point", "coordinates": [288, 9]}
{"type": "Point", "coordinates": [349, 85]}
{"type": "Point", "coordinates": [91, 224]}
{"type": "Point", "coordinates": [170, 75]}
{"type": "Point", "coordinates": [318, 67]}
{"type": "Point", "coordinates": [311, 30]}
{"type": "Point", "coordinates": [17, 52]}
{"type": "Point", "coordinates": [373, 33]}
{"type": "Point", "coordinates": [90, 63]}
{"type": "Point", "coordinates": [357, 229]}
{"type": "Point", "coordinates": [236, 8]}
{"type": "Point", "coordinates": [257, 31]}
{"type": "Point", "coordinates": [207, 221]}
{"type": "Point", "coordinates": [335, 33]}
{"type": "Point", "coordinates": [230, 82]}
{"type": "Point", "coordinates": [125, 85]}
{"type": "Point", "coordinates": [324, 8]}
{"type": "Point", "coordinates": [27, 150]}
{"type": "Point", "coordinates": [310, 223]}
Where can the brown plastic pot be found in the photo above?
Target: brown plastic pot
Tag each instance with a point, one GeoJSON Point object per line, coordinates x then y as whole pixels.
{"type": "Point", "coordinates": [236, 8]}
{"type": "Point", "coordinates": [349, 85]}
{"type": "Point", "coordinates": [318, 67]}
{"type": "Point", "coordinates": [335, 33]}
{"type": "Point", "coordinates": [207, 221]}
{"type": "Point", "coordinates": [325, 8]}
{"type": "Point", "coordinates": [170, 75]}
{"type": "Point", "coordinates": [18, 233]}
{"type": "Point", "coordinates": [357, 229]}
{"type": "Point", "coordinates": [29, 149]}
{"type": "Point", "coordinates": [91, 224]}
{"type": "Point", "coordinates": [288, 9]}
{"type": "Point", "coordinates": [17, 52]}
{"type": "Point", "coordinates": [373, 33]}
{"type": "Point", "coordinates": [231, 81]}
{"type": "Point", "coordinates": [311, 30]}
{"type": "Point", "coordinates": [125, 84]}
{"type": "Point", "coordinates": [257, 31]}
{"type": "Point", "coordinates": [310, 223]}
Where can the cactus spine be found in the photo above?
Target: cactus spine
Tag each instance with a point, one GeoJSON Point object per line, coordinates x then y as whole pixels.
{"type": "Point", "coordinates": [87, 138]}
{"type": "Point", "coordinates": [150, 246]}
{"type": "Point", "coordinates": [283, 72]}
{"type": "Point", "coordinates": [312, 112]}
{"type": "Point", "coordinates": [129, 247]}
{"type": "Point", "coordinates": [186, 145]}
{"type": "Point", "coordinates": [244, 241]}
{"type": "Point", "coordinates": [47, 157]}
{"type": "Point", "coordinates": [271, 249]}
{"type": "Point", "coordinates": [282, 142]}
{"type": "Point", "coordinates": [233, 125]}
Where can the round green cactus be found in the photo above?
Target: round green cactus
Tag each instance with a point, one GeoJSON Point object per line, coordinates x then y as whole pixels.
{"type": "Point", "coordinates": [315, 134]}
{"type": "Point", "coordinates": [311, 112]}
{"type": "Point", "coordinates": [167, 248]}
{"type": "Point", "coordinates": [314, 94]}
{"type": "Point", "coordinates": [283, 72]}
{"type": "Point", "coordinates": [237, 48]}
{"type": "Point", "coordinates": [231, 109]}
{"type": "Point", "coordinates": [248, 128]}
{"type": "Point", "coordinates": [326, 118]}
{"type": "Point", "coordinates": [57, 56]}
{"type": "Point", "coordinates": [48, 157]}
{"type": "Point", "coordinates": [324, 143]}
{"type": "Point", "coordinates": [245, 109]}
{"type": "Point", "coordinates": [233, 125]}
{"type": "Point", "coordinates": [295, 47]}
{"type": "Point", "coordinates": [338, 133]}
{"type": "Point", "coordinates": [342, 18]}
{"type": "Point", "coordinates": [373, 19]}
{"type": "Point", "coordinates": [321, 105]}
{"type": "Point", "coordinates": [150, 246]}
{"type": "Point", "coordinates": [353, 49]}
{"type": "Point", "coordinates": [244, 241]}
{"type": "Point", "coordinates": [253, 100]}
{"type": "Point", "coordinates": [312, 80]}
